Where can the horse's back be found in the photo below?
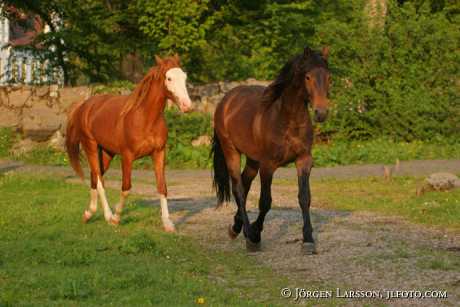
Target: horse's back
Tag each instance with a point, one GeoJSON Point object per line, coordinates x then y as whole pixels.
{"type": "Point", "coordinates": [237, 117]}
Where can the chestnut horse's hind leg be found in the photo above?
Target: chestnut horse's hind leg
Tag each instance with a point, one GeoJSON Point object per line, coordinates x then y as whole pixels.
{"type": "Point", "coordinates": [106, 158]}
{"type": "Point", "coordinates": [247, 176]}
{"type": "Point", "coordinates": [265, 200]}
{"type": "Point", "coordinates": [304, 165]}
{"type": "Point", "coordinates": [126, 166]}
{"type": "Point", "coordinates": [159, 162]}
{"type": "Point", "coordinates": [96, 177]}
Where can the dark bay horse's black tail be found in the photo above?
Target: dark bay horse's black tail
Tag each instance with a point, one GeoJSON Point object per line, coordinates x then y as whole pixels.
{"type": "Point", "coordinates": [221, 180]}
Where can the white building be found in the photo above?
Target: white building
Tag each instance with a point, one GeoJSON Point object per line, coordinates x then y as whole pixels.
{"type": "Point", "coordinates": [20, 66]}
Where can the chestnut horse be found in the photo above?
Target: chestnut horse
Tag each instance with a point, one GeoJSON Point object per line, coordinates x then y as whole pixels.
{"type": "Point", "coordinates": [131, 126]}
{"type": "Point", "coordinates": [271, 126]}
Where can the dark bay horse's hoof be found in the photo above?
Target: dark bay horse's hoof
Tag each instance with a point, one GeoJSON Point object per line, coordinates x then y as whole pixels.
{"type": "Point", "coordinates": [231, 233]}
{"type": "Point", "coordinates": [309, 248]}
{"type": "Point", "coordinates": [253, 247]}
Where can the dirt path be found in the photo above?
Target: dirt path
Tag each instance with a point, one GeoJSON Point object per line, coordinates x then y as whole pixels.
{"type": "Point", "coordinates": [357, 251]}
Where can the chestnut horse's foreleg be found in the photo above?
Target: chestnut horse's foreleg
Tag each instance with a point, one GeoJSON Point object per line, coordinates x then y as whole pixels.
{"type": "Point", "coordinates": [126, 167]}
{"type": "Point", "coordinates": [304, 165]}
{"type": "Point", "coordinates": [249, 173]}
{"type": "Point", "coordinates": [265, 200]}
{"type": "Point", "coordinates": [159, 162]}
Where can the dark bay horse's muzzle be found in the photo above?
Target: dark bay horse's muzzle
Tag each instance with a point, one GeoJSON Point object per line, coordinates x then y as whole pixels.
{"type": "Point", "coordinates": [320, 114]}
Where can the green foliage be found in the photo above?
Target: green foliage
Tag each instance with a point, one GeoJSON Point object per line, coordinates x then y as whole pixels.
{"type": "Point", "coordinates": [397, 80]}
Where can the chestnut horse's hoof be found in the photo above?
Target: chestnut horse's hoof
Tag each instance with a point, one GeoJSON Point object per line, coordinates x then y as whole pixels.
{"type": "Point", "coordinates": [253, 247]}
{"type": "Point", "coordinates": [309, 248]}
{"type": "Point", "coordinates": [115, 220]}
{"type": "Point", "coordinates": [231, 233]}
{"type": "Point", "coordinates": [86, 216]}
{"type": "Point", "coordinates": [169, 226]}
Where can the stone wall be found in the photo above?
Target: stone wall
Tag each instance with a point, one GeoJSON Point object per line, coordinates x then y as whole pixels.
{"type": "Point", "coordinates": [40, 112]}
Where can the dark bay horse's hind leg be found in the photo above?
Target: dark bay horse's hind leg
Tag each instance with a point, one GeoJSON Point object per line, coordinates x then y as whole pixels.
{"type": "Point", "coordinates": [247, 176]}
{"type": "Point", "coordinates": [265, 200]}
{"type": "Point", "coordinates": [304, 165]}
{"type": "Point", "coordinates": [232, 158]}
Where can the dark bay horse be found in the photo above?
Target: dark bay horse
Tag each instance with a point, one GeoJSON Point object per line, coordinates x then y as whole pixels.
{"type": "Point", "coordinates": [271, 126]}
{"type": "Point", "coordinates": [131, 126]}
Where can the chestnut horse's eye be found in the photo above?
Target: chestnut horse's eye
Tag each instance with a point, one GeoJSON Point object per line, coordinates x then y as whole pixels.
{"type": "Point", "coordinates": [169, 78]}
{"type": "Point", "coordinates": [307, 77]}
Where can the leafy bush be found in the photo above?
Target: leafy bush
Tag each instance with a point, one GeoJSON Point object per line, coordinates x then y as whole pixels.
{"type": "Point", "coordinates": [396, 81]}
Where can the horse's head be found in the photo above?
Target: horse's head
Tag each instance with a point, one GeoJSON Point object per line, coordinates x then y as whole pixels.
{"type": "Point", "coordinates": [175, 82]}
{"type": "Point", "coordinates": [316, 80]}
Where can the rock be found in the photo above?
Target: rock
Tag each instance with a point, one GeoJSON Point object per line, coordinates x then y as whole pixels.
{"type": "Point", "coordinates": [442, 181]}
{"type": "Point", "coordinates": [202, 140]}
{"type": "Point", "coordinates": [3, 97]}
{"type": "Point", "coordinates": [210, 89]}
{"type": "Point", "coordinates": [226, 86]}
{"type": "Point", "coordinates": [252, 81]}
{"type": "Point", "coordinates": [18, 97]}
{"type": "Point", "coordinates": [22, 147]}
{"type": "Point", "coordinates": [40, 122]}
{"type": "Point", "coordinates": [439, 182]}
{"type": "Point", "coordinates": [42, 91]}
{"type": "Point", "coordinates": [9, 117]}
{"type": "Point", "coordinates": [57, 141]}
{"type": "Point", "coordinates": [69, 95]}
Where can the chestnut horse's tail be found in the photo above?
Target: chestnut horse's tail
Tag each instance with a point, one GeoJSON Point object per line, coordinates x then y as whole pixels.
{"type": "Point", "coordinates": [221, 180]}
{"type": "Point", "coordinates": [72, 140]}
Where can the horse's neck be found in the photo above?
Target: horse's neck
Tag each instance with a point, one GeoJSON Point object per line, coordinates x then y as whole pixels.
{"type": "Point", "coordinates": [293, 111]}
{"type": "Point", "coordinates": [152, 108]}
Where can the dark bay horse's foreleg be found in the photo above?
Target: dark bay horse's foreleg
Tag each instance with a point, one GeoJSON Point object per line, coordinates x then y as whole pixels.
{"type": "Point", "coordinates": [126, 167]}
{"type": "Point", "coordinates": [265, 200]}
{"type": "Point", "coordinates": [304, 165]}
{"type": "Point", "coordinates": [247, 176]}
{"type": "Point", "coordinates": [158, 157]}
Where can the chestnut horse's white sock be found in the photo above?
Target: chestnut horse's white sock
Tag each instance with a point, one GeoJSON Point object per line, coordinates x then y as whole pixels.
{"type": "Point", "coordinates": [167, 223]}
{"type": "Point", "coordinates": [105, 204]}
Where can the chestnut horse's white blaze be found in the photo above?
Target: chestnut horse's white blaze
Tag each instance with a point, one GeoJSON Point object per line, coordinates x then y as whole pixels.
{"type": "Point", "coordinates": [176, 83]}
{"type": "Point", "coordinates": [167, 223]}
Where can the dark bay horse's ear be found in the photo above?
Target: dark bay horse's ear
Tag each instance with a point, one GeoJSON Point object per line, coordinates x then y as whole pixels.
{"type": "Point", "coordinates": [325, 52]}
{"type": "Point", "coordinates": [307, 52]}
{"type": "Point", "coordinates": [158, 60]}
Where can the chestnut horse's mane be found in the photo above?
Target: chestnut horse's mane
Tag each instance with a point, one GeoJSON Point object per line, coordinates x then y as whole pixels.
{"type": "Point", "coordinates": [296, 67]}
{"type": "Point", "coordinates": [155, 74]}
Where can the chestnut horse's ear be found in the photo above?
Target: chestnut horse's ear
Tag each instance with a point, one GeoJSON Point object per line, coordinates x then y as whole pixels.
{"type": "Point", "coordinates": [158, 60]}
{"type": "Point", "coordinates": [177, 58]}
{"type": "Point", "coordinates": [307, 52]}
{"type": "Point", "coordinates": [325, 52]}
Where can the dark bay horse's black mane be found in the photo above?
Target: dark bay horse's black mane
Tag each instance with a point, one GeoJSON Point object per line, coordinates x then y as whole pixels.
{"type": "Point", "coordinates": [293, 72]}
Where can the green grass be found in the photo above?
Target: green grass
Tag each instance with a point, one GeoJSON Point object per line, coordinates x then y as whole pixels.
{"type": "Point", "coordinates": [396, 197]}
{"type": "Point", "coordinates": [49, 258]}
